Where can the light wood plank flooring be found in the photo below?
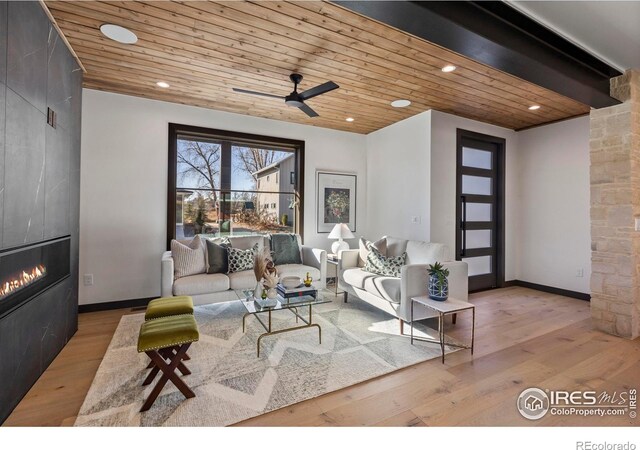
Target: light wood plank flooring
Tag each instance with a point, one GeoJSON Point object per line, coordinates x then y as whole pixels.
{"type": "Point", "coordinates": [524, 338]}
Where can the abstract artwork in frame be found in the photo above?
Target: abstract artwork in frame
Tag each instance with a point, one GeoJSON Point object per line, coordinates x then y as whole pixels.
{"type": "Point", "coordinates": [336, 201]}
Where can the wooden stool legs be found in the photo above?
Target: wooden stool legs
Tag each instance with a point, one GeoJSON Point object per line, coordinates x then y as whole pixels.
{"type": "Point", "coordinates": [168, 369]}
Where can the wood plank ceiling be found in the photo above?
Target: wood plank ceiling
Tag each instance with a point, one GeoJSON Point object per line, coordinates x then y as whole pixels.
{"type": "Point", "coordinates": [204, 49]}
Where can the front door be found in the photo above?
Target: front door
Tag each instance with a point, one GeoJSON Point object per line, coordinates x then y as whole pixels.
{"type": "Point", "coordinates": [480, 208]}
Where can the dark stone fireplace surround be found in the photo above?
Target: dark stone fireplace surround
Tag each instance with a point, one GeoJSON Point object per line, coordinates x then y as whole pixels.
{"type": "Point", "coordinates": [39, 195]}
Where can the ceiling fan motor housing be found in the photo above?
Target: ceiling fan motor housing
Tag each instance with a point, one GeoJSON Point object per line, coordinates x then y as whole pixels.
{"type": "Point", "coordinates": [294, 99]}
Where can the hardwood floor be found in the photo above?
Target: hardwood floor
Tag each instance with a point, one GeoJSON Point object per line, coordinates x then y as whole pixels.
{"type": "Point", "coordinates": [524, 338]}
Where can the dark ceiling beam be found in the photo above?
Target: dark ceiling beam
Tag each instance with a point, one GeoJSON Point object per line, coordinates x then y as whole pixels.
{"type": "Point", "coordinates": [502, 37]}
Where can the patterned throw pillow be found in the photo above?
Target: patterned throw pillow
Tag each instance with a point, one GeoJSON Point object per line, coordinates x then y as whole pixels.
{"type": "Point", "coordinates": [188, 259]}
{"type": "Point", "coordinates": [240, 260]}
{"type": "Point", "coordinates": [380, 244]}
{"type": "Point", "coordinates": [382, 265]}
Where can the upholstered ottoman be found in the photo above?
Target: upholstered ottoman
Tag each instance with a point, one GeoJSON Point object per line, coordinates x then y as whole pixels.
{"type": "Point", "coordinates": [169, 306]}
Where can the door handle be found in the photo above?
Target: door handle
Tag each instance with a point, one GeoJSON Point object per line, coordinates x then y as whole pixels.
{"type": "Point", "coordinates": [463, 225]}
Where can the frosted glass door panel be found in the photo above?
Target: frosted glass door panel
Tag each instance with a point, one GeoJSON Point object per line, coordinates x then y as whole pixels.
{"type": "Point", "coordinates": [478, 239]}
{"type": "Point", "coordinates": [472, 157]}
{"type": "Point", "coordinates": [479, 265]}
{"type": "Point", "coordinates": [478, 212]}
{"type": "Point", "coordinates": [476, 185]}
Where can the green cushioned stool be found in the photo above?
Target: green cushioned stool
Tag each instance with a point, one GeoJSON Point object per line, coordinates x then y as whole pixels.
{"type": "Point", "coordinates": [166, 340]}
{"type": "Point", "coordinates": [169, 306]}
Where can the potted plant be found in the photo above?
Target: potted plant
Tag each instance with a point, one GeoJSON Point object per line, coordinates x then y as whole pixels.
{"type": "Point", "coordinates": [438, 283]}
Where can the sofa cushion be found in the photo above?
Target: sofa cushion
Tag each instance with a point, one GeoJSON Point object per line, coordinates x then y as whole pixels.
{"type": "Point", "coordinates": [242, 280]}
{"type": "Point", "coordinates": [395, 246]}
{"type": "Point", "coordinates": [383, 265]}
{"type": "Point", "coordinates": [419, 252]}
{"type": "Point", "coordinates": [380, 244]}
{"type": "Point", "coordinates": [385, 287]}
{"type": "Point", "coordinates": [201, 284]}
{"type": "Point", "coordinates": [297, 270]}
{"type": "Point", "coordinates": [188, 259]}
{"type": "Point", "coordinates": [241, 260]}
{"type": "Point", "coordinates": [285, 249]}
{"type": "Point", "coordinates": [247, 242]}
{"type": "Point", "coordinates": [217, 257]}
{"type": "Point", "coordinates": [356, 277]}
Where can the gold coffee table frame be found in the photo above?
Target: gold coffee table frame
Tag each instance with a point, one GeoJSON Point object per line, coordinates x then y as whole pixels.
{"type": "Point", "coordinates": [292, 304]}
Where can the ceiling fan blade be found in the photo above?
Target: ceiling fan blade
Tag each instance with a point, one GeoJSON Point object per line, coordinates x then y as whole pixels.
{"type": "Point", "coordinates": [244, 91]}
{"type": "Point", "coordinates": [321, 89]}
{"type": "Point", "coordinates": [307, 109]}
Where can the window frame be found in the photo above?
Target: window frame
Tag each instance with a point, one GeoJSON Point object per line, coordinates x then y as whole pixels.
{"type": "Point", "coordinates": [176, 130]}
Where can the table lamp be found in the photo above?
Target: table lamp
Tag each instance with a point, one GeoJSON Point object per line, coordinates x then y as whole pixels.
{"type": "Point", "coordinates": [340, 231]}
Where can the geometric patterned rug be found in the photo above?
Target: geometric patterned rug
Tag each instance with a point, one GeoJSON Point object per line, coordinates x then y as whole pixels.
{"type": "Point", "coordinates": [231, 383]}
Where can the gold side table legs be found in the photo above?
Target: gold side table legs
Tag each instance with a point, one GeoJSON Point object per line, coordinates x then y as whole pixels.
{"type": "Point", "coordinates": [441, 337]}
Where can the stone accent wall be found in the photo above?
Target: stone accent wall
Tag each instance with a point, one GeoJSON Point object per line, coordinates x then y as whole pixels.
{"type": "Point", "coordinates": [615, 203]}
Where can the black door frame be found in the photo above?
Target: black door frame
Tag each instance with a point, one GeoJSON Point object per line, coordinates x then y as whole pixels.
{"type": "Point", "coordinates": [499, 214]}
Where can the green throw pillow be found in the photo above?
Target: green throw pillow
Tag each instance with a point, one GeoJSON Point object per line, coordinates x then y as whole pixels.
{"type": "Point", "coordinates": [218, 257]}
{"type": "Point", "coordinates": [388, 266]}
{"type": "Point", "coordinates": [285, 249]}
{"type": "Point", "coordinates": [240, 260]}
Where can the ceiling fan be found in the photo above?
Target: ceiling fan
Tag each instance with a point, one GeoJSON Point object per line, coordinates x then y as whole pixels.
{"type": "Point", "coordinates": [296, 98]}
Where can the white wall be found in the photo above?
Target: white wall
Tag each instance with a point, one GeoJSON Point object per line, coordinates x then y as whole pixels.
{"type": "Point", "coordinates": [398, 179]}
{"type": "Point", "coordinates": [443, 183]}
{"type": "Point", "coordinates": [124, 184]}
{"type": "Point", "coordinates": [554, 220]}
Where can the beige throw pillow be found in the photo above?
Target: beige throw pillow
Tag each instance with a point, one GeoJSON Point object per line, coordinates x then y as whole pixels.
{"type": "Point", "coordinates": [380, 245]}
{"type": "Point", "coordinates": [188, 259]}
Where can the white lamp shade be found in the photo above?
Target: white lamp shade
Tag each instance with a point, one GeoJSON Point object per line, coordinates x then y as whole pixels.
{"type": "Point", "coordinates": [341, 231]}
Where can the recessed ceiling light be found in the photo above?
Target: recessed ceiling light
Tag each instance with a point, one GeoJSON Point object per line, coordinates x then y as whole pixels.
{"type": "Point", "coordinates": [349, 119]}
{"type": "Point", "coordinates": [448, 68]}
{"type": "Point", "coordinates": [163, 84]}
{"type": "Point", "coordinates": [118, 33]}
{"type": "Point", "coordinates": [534, 107]}
{"type": "Point", "coordinates": [400, 103]}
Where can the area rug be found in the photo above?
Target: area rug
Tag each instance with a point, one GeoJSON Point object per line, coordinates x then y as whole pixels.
{"type": "Point", "coordinates": [359, 342]}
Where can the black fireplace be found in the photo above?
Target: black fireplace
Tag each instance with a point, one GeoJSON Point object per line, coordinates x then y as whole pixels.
{"type": "Point", "coordinates": [26, 271]}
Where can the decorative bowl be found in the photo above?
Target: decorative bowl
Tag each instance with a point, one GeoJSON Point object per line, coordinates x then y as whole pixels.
{"type": "Point", "coordinates": [290, 282]}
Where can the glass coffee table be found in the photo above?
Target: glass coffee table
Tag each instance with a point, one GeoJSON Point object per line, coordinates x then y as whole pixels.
{"type": "Point", "coordinates": [254, 308]}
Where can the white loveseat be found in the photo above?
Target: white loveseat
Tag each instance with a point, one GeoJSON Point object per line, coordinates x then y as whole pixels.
{"type": "Point", "coordinates": [393, 295]}
{"type": "Point", "coordinates": [219, 287]}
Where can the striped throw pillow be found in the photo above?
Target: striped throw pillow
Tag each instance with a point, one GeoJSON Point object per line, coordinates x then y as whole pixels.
{"type": "Point", "coordinates": [188, 259]}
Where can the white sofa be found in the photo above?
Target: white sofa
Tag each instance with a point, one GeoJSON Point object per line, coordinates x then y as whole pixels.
{"type": "Point", "coordinates": [219, 287]}
{"type": "Point", "coordinates": [393, 295]}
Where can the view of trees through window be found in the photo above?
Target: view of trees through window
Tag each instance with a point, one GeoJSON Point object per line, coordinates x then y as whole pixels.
{"type": "Point", "coordinates": [230, 188]}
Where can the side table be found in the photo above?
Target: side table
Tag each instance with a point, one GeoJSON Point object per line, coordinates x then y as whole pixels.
{"type": "Point", "coordinates": [332, 261]}
{"type": "Point", "coordinates": [449, 306]}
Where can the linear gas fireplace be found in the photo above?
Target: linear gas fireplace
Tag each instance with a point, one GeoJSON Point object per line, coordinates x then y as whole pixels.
{"type": "Point", "coordinates": [28, 270]}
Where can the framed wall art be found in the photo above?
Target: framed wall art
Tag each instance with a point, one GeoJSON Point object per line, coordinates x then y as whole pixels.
{"type": "Point", "coordinates": [336, 202]}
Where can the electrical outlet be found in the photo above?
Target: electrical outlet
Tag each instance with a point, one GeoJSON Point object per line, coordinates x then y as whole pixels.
{"type": "Point", "coordinates": [88, 279]}
{"type": "Point", "coordinates": [580, 273]}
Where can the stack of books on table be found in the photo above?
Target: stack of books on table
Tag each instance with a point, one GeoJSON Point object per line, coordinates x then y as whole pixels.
{"type": "Point", "coordinates": [299, 291]}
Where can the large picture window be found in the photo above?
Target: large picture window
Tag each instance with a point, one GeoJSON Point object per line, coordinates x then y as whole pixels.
{"type": "Point", "coordinates": [224, 183]}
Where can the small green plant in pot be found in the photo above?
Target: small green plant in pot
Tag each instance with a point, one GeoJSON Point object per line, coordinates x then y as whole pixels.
{"type": "Point", "coordinates": [438, 283]}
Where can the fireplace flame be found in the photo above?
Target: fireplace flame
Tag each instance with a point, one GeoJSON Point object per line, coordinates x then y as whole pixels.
{"type": "Point", "coordinates": [23, 280]}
